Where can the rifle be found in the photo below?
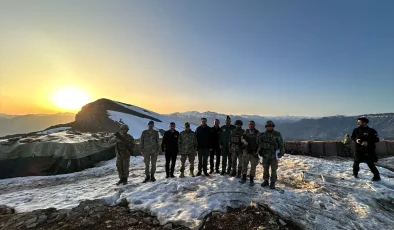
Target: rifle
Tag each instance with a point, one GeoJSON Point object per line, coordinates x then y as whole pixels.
{"type": "Point", "coordinates": [123, 140]}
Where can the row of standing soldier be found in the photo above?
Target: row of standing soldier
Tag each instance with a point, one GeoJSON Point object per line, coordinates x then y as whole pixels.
{"type": "Point", "coordinates": [229, 144]}
{"type": "Point", "coordinates": [234, 145]}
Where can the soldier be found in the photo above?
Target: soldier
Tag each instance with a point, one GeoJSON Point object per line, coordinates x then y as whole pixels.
{"type": "Point", "coordinates": [125, 146]}
{"type": "Point", "coordinates": [187, 145]}
{"type": "Point", "coordinates": [150, 149]}
{"type": "Point", "coordinates": [215, 147]}
{"type": "Point", "coordinates": [270, 141]}
{"type": "Point", "coordinates": [169, 146]}
{"type": "Point", "coordinates": [249, 140]}
{"type": "Point", "coordinates": [203, 134]}
{"type": "Point", "coordinates": [347, 142]}
{"type": "Point", "coordinates": [235, 145]}
{"type": "Point", "coordinates": [365, 138]}
{"type": "Point", "coordinates": [225, 132]}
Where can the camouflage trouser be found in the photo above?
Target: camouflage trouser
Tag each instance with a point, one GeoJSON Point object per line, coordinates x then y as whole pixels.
{"type": "Point", "coordinates": [254, 161]}
{"type": "Point", "coordinates": [236, 154]}
{"type": "Point", "coordinates": [191, 157]}
{"type": "Point", "coordinates": [348, 151]}
{"type": "Point", "coordinates": [122, 165]}
{"type": "Point", "coordinates": [150, 160]}
{"type": "Point", "coordinates": [226, 155]}
{"type": "Point", "coordinates": [270, 160]}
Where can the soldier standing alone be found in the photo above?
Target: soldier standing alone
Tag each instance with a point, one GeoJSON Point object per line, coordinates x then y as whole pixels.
{"type": "Point", "coordinates": [187, 145]}
{"type": "Point", "coordinates": [235, 145]}
{"type": "Point", "coordinates": [125, 146]}
{"type": "Point", "coordinates": [225, 132]}
{"type": "Point", "coordinates": [249, 140]}
{"type": "Point", "coordinates": [150, 149]}
{"type": "Point", "coordinates": [270, 141]}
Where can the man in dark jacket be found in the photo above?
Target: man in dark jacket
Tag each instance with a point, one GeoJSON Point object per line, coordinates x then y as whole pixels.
{"type": "Point", "coordinates": [203, 134]}
{"type": "Point", "coordinates": [169, 146]}
{"type": "Point", "coordinates": [215, 147]}
{"type": "Point", "coordinates": [365, 139]}
{"type": "Point", "coordinates": [224, 137]}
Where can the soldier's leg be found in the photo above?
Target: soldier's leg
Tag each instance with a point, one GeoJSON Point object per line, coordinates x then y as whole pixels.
{"type": "Point", "coordinates": [373, 169]}
{"type": "Point", "coordinates": [234, 160]}
{"type": "Point", "coordinates": [173, 161]}
{"type": "Point", "coordinates": [212, 159]}
{"type": "Point", "coordinates": [218, 154]}
{"type": "Point", "coordinates": [274, 168]}
{"type": "Point", "coordinates": [192, 158]}
{"type": "Point", "coordinates": [167, 165]}
{"type": "Point", "coordinates": [254, 161]}
{"type": "Point", "coordinates": [153, 163]}
{"type": "Point", "coordinates": [126, 166]}
{"type": "Point", "coordinates": [240, 162]}
{"type": "Point", "coordinates": [200, 154]}
{"type": "Point", "coordinates": [266, 166]}
{"type": "Point", "coordinates": [245, 162]}
{"type": "Point", "coordinates": [356, 168]}
{"type": "Point", "coordinates": [147, 163]}
{"type": "Point", "coordinates": [224, 161]}
{"type": "Point", "coordinates": [119, 166]}
{"type": "Point", "coordinates": [183, 161]}
{"type": "Point", "coordinates": [205, 160]}
{"type": "Point", "coordinates": [230, 161]}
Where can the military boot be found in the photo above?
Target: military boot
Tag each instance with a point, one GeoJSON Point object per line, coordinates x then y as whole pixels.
{"type": "Point", "coordinates": [182, 175]}
{"type": "Point", "coordinates": [152, 178]}
{"type": "Point", "coordinates": [198, 173]}
{"type": "Point", "coordinates": [272, 185]}
{"type": "Point", "coordinates": [210, 172]}
{"type": "Point", "coordinates": [206, 174]}
{"type": "Point", "coordinates": [223, 172]}
{"type": "Point", "coordinates": [233, 173]}
{"type": "Point", "coordinates": [376, 178]}
{"type": "Point", "coordinates": [239, 174]}
{"type": "Point", "coordinates": [265, 183]}
{"type": "Point", "coordinates": [167, 175]}
{"type": "Point", "coordinates": [124, 181]}
{"type": "Point", "coordinates": [172, 175]}
{"type": "Point", "coordinates": [192, 173]}
{"type": "Point", "coordinates": [119, 182]}
{"type": "Point", "coordinates": [243, 180]}
{"type": "Point", "coordinates": [251, 181]}
{"type": "Point", "coordinates": [146, 179]}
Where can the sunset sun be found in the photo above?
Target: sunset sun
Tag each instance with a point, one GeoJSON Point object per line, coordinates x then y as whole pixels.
{"type": "Point", "coordinates": [70, 98]}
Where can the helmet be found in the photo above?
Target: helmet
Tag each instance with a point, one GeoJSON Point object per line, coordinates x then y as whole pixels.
{"type": "Point", "coordinates": [124, 127]}
{"type": "Point", "coordinates": [238, 122]}
{"type": "Point", "coordinates": [269, 123]}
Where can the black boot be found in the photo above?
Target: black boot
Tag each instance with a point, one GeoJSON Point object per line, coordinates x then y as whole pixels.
{"type": "Point", "coordinates": [239, 174]}
{"type": "Point", "coordinates": [233, 173]}
{"type": "Point", "coordinates": [272, 185]}
{"type": "Point", "coordinates": [206, 174]}
{"type": "Point", "coordinates": [167, 175]}
{"type": "Point", "coordinates": [198, 173]}
{"type": "Point", "coordinates": [172, 175]}
{"type": "Point", "coordinates": [243, 180]}
{"type": "Point", "coordinates": [376, 178]}
{"type": "Point", "coordinates": [152, 178]}
{"type": "Point", "coordinates": [217, 171]}
{"type": "Point", "coordinates": [223, 172]}
{"type": "Point", "coordinates": [210, 172]}
{"type": "Point", "coordinates": [124, 181]}
{"type": "Point", "coordinates": [251, 181]}
{"type": "Point", "coordinates": [146, 179]}
{"type": "Point", "coordinates": [265, 183]}
{"type": "Point", "coordinates": [119, 182]}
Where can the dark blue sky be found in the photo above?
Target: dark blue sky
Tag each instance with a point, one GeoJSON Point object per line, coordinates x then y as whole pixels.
{"type": "Point", "coordinates": [261, 57]}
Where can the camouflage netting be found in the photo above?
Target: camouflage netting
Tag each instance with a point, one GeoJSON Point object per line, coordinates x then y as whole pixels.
{"type": "Point", "coordinates": [59, 153]}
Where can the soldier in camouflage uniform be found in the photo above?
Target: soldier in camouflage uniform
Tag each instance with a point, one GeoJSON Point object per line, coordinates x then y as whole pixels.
{"type": "Point", "coordinates": [249, 140]}
{"type": "Point", "coordinates": [187, 145]}
{"type": "Point", "coordinates": [125, 146]}
{"type": "Point", "coordinates": [235, 145]}
{"type": "Point", "coordinates": [269, 142]}
{"type": "Point", "coordinates": [225, 132]}
{"type": "Point", "coordinates": [347, 145]}
{"type": "Point", "coordinates": [150, 149]}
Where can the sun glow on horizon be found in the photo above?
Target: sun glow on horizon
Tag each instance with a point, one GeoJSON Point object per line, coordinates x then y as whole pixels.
{"type": "Point", "coordinates": [70, 98]}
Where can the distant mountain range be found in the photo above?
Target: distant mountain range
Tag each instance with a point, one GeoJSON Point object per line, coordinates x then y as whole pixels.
{"type": "Point", "coordinates": [19, 124]}
{"type": "Point", "coordinates": [106, 115]}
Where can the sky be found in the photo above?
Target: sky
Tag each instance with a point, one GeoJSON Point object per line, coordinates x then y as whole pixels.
{"type": "Point", "coordinates": [265, 57]}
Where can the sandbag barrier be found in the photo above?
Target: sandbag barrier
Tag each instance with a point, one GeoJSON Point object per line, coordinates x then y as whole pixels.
{"type": "Point", "coordinates": [332, 148]}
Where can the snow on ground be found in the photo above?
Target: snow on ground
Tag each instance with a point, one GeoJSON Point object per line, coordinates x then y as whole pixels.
{"type": "Point", "coordinates": [330, 199]}
{"type": "Point", "coordinates": [54, 130]}
{"type": "Point", "coordinates": [138, 124]}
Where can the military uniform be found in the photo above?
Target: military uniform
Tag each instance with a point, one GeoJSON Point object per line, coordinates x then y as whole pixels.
{"type": "Point", "coordinates": [150, 146]}
{"type": "Point", "coordinates": [187, 145]}
{"type": "Point", "coordinates": [269, 143]}
{"type": "Point", "coordinates": [250, 154]}
{"type": "Point", "coordinates": [225, 132]}
{"type": "Point", "coordinates": [347, 146]}
{"type": "Point", "coordinates": [235, 145]}
{"type": "Point", "coordinates": [125, 146]}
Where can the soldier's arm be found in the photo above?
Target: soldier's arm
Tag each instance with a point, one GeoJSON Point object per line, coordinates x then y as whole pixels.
{"type": "Point", "coordinates": [243, 138]}
{"type": "Point", "coordinates": [142, 141]}
{"type": "Point", "coordinates": [373, 136]}
{"type": "Point", "coordinates": [132, 145]}
{"type": "Point", "coordinates": [195, 143]}
{"type": "Point", "coordinates": [281, 144]}
{"type": "Point", "coordinates": [180, 143]}
{"type": "Point", "coordinates": [157, 141]}
{"type": "Point", "coordinates": [163, 141]}
{"type": "Point", "coordinates": [354, 135]}
{"type": "Point", "coordinates": [113, 140]}
{"type": "Point", "coordinates": [220, 137]}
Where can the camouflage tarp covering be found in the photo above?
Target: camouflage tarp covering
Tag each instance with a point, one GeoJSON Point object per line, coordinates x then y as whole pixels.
{"type": "Point", "coordinates": [58, 153]}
